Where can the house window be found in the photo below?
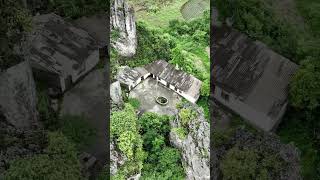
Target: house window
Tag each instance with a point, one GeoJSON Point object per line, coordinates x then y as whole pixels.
{"type": "Point", "coordinates": [225, 96]}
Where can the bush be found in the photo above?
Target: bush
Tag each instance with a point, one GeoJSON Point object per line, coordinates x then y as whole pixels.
{"type": "Point", "coordinates": [250, 164]}
{"type": "Point", "coordinates": [59, 161]}
{"type": "Point", "coordinates": [76, 8]}
{"type": "Point", "coordinates": [186, 115]}
{"type": "Point", "coordinates": [134, 103]}
{"type": "Point", "coordinates": [47, 115]}
{"type": "Point", "coordinates": [78, 130]}
{"type": "Point", "coordinates": [14, 22]}
{"type": "Point", "coordinates": [181, 132]}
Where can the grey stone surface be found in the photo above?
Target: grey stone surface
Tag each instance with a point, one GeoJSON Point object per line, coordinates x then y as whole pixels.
{"type": "Point", "coordinates": [195, 147]}
{"type": "Point", "coordinates": [18, 98]}
{"type": "Point", "coordinates": [117, 159]}
{"type": "Point", "coordinates": [88, 98]}
{"type": "Point", "coordinates": [97, 26]}
{"type": "Point", "coordinates": [116, 93]}
{"type": "Point", "coordinates": [148, 90]}
{"type": "Point", "coordinates": [122, 20]}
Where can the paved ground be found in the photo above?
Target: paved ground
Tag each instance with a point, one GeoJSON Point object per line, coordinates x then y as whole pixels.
{"type": "Point", "coordinates": [88, 98]}
{"type": "Point", "coordinates": [146, 92]}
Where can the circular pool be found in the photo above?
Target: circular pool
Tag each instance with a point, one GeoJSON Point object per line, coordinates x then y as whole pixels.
{"type": "Point", "coordinates": [162, 100]}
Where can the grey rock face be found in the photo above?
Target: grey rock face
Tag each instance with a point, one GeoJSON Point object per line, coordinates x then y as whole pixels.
{"type": "Point", "coordinates": [123, 24]}
{"type": "Point", "coordinates": [18, 98]}
{"type": "Point", "coordinates": [115, 93]}
{"type": "Point", "coordinates": [117, 159]}
{"type": "Point", "coordinates": [195, 147]}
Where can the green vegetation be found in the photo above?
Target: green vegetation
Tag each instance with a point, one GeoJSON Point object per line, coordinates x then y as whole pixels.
{"type": "Point", "coordinates": [145, 143]}
{"type": "Point", "coordinates": [159, 16]}
{"type": "Point", "coordinates": [250, 164]}
{"type": "Point", "coordinates": [260, 20]}
{"type": "Point", "coordinates": [135, 103]}
{"type": "Point", "coordinates": [14, 21]}
{"type": "Point", "coordinates": [163, 161]}
{"type": "Point", "coordinates": [76, 8]}
{"type": "Point", "coordinates": [59, 161]}
{"type": "Point", "coordinates": [78, 130]}
{"type": "Point", "coordinates": [125, 131]}
{"type": "Point", "coordinates": [181, 132]}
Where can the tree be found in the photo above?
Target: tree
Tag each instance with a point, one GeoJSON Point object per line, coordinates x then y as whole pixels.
{"type": "Point", "coordinates": [59, 161]}
{"type": "Point", "coordinates": [305, 87]}
{"type": "Point", "coordinates": [14, 22]}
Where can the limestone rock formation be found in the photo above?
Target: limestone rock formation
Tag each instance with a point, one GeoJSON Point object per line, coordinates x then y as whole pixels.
{"type": "Point", "coordinates": [115, 93]}
{"type": "Point", "coordinates": [117, 159]}
{"type": "Point", "coordinates": [195, 146]}
{"type": "Point", "coordinates": [123, 27]}
{"type": "Point", "coordinates": [18, 98]}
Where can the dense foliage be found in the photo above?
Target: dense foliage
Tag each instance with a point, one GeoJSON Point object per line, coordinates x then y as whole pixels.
{"type": "Point", "coordinates": [125, 132]}
{"type": "Point", "coordinates": [14, 21]}
{"type": "Point", "coordinates": [144, 142]}
{"type": "Point", "coordinates": [59, 161]}
{"type": "Point", "coordinates": [78, 8]}
{"type": "Point", "coordinates": [250, 164]}
{"type": "Point", "coordinates": [163, 161]}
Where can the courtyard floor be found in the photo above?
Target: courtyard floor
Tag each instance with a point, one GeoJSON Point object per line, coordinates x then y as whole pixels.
{"type": "Point", "coordinates": [148, 90]}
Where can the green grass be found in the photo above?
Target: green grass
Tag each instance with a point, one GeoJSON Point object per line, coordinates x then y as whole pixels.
{"type": "Point", "coordinates": [161, 18]}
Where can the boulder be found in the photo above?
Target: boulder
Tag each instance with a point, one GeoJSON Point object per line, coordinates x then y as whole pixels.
{"type": "Point", "coordinates": [116, 93]}
{"type": "Point", "coordinates": [123, 26]}
{"type": "Point", "coordinates": [18, 97]}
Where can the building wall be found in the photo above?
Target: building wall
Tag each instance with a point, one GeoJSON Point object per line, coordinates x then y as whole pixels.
{"type": "Point", "coordinates": [181, 93]}
{"type": "Point", "coordinates": [256, 118]}
{"type": "Point", "coordinates": [89, 64]}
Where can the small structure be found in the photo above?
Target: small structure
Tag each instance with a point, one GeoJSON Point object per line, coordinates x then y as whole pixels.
{"type": "Point", "coordinates": [249, 78]}
{"type": "Point", "coordinates": [59, 52]}
{"type": "Point", "coordinates": [179, 81]}
{"type": "Point", "coordinates": [130, 78]}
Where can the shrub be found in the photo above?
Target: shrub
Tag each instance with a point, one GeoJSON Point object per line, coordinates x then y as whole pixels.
{"type": "Point", "coordinates": [186, 115]}
{"type": "Point", "coordinates": [59, 161]}
{"type": "Point", "coordinates": [78, 130]}
{"type": "Point", "coordinates": [134, 103]}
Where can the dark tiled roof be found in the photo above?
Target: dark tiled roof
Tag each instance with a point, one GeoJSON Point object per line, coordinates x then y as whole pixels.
{"type": "Point", "coordinates": [170, 74]}
{"type": "Point", "coordinates": [54, 41]}
{"type": "Point", "coordinates": [250, 70]}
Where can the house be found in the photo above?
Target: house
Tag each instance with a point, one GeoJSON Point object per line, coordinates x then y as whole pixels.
{"type": "Point", "coordinates": [130, 78]}
{"type": "Point", "coordinates": [179, 81]}
{"type": "Point", "coordinates": [59, 52]}
{"type": "Point", "coordinates": [249, 78]}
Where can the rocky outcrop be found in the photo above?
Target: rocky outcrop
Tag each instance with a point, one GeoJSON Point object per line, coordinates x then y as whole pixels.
{"type": "Point", "coordinates": [195, 146]}
{"type": "Point", "coordinates": [116, 94]}
{"type": "Point", "coordinates": [18, 98]}
{"type": "Point", "coordinates": [123, 28]}
{"type": "Point", "coordinates": [117, 159]}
